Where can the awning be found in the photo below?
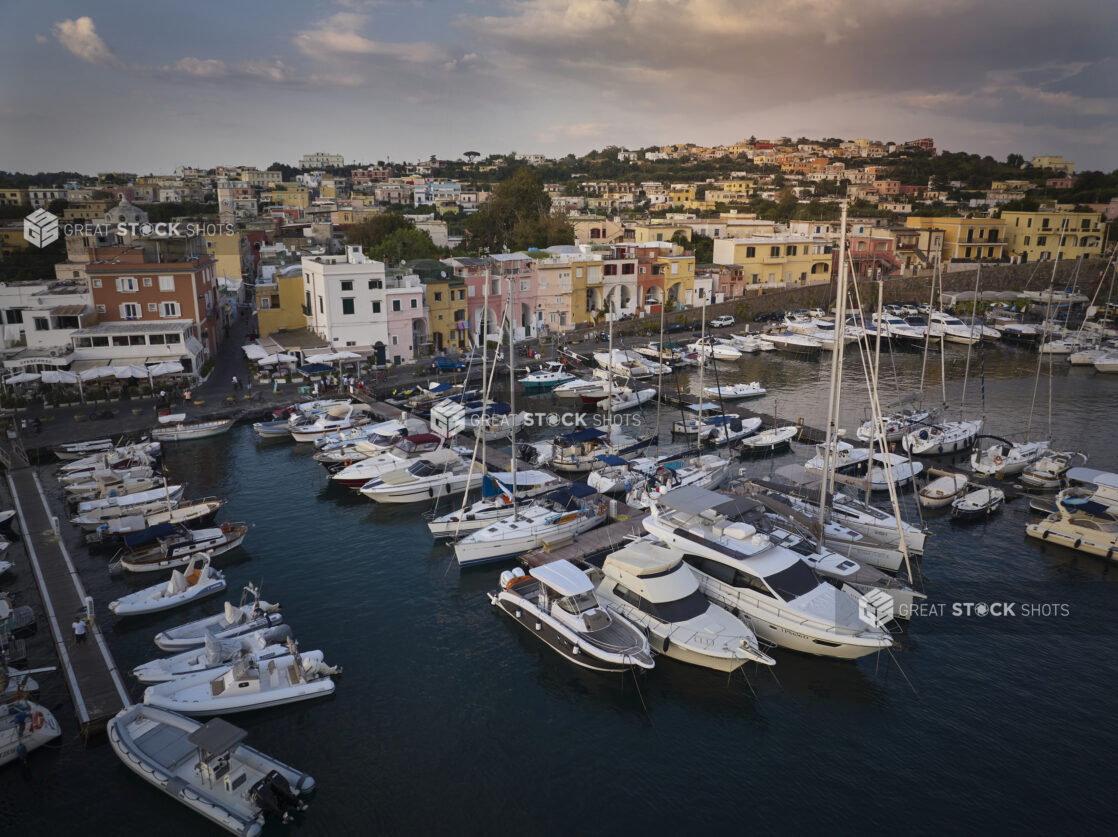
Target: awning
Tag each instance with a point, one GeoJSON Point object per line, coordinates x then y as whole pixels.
{"type": "Point", "coordinates": [59, 376]}
{"type": "Point", "coordinates": [254, 352]}
{"type": "Point", "coordinates": [67, 310]}
{"type": "Point", "coordinates": [23, 378]}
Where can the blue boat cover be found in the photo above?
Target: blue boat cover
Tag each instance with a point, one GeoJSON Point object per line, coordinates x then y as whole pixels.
{"type": "Point", "coordinates": [149, 535]}
{"type": "Point", "coordinates": [314, 369]}
{"type": "Point", "coordinates": [568, 497]}
{"type": "Point", "coordinates": [584, 435]}
{"type": "Point", "coordinates": [611, 459]}
{"type": "Point", "coordinates": [1082, 504]}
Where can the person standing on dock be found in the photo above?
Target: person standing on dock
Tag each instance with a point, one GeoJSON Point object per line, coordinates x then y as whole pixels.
{"type": "Point", "coordinates": [80, 630]}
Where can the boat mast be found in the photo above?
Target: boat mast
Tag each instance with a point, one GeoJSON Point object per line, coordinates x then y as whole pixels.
{"type": "Point", "coordinates": [703, 354]}
{"type": "Point", "coordinates": [830, 440]}
{"type": "Point", "coordinates": [942, 341]}
{"type": "Point", "coordinates": [660, 361]}
{"type": "Point", "coordinates": [966, 366]}
{"type": "Point", "coordinates": [512, 397]}
{"type": "Point", "coordinates": [1040, 354]}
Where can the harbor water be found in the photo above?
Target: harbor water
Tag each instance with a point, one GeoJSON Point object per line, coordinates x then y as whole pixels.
{"type": "Point", "coordinates": [451, 719]}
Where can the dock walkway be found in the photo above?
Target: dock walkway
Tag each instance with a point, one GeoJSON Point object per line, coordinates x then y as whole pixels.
{"type": "Point", "coordinates": [90, 672]}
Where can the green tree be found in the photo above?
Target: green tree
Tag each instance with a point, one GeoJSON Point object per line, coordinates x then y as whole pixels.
{"type": "Point", "coordinates": [1015, 160]}
{"type": "Point", "coordinates": [370, 233]}
{"type": "Point", "coordinates": [406, 243]}
{"type": "Point", "coordinates": [517, 216]}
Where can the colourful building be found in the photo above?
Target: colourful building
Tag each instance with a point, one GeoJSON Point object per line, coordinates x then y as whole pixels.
{"type": "Point", "coordinates": [778, 260]}
{"type": "Point", "coordinates": [966, 239]}
{"type": "Point", "coordinates": [1059, 232]}
{"type": "Point", "coordinates": [279, 301]}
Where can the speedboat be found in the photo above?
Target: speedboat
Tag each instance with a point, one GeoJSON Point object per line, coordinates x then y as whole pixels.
{"type": "Point", "coordinates": [556, 603]}
{"type": "Point", "coordinates": [332, 421]}
{"type": "Point", "coordinates": [93, 513]}
{"type": "Point", "coordinates": [895, 329]}
{"type": "Point", "coordinates": [630, 364]}
{"type": "Point", "coordinates": [797, 344]}
{"type": "Point", "coordinates": [942, 491]}
{"type": "Point", "coordinates": [355, 474]}
{"type": "Point", "coordinates": [1107, 362]}
{"type": "Point", "coordinates": [547, 377]}
{"type": "Point", "coordinates": [709, 348]}
{"type": "Point", "coordinates": [233, 621]}
{"type": "Point", "coordinates": [490, 427]}
{"type": "Point", "coordinates": [264, 644]}
{"type": "Point", "coordinates": [977, 504]}
{"type": "Point", "coordinates": [136, 523]}
{"type": "Point", "coordinates": [751, 343]}
{"type": "Point", "coordinates": [25, 726]}
{"type": "Point", "coordinates": [701, 425]}
{"type": "Point", "coordinates": [183, 432]}
{"type": "Point", "coordinates": [495, 502]}
{"type": "Point", "coordinates": [705, 471]}
{"type": "Point", "coordinates": [78, 450]}
{"type": "Point", "coordinates": [198, 581]}
{"type": "Point", "coordinates": [1079, 523]}
{"type": "Point", "coordinates": [626, 398]}
{"type": "Point", "coordinates": [181, 545]}
{"type": "Point", "coordinates": [947, 437]}
{"type": "Point", "coordinates": [562, 514]}
{"type": "Point", "coordinates": [245, 685]}
{"type": "Point", "coordinates": [735, 391]}
{"type": "Point", "coordinates": [112, 485]}
{"type": "Point", "coordinates": [436, 474]}
{"type": "Point", "coordinates": [742, 570]}
{"type": "Point", "coordinates": [657, 591]}
{"type": "Point", "coordinates": [1053, 296]}
{"type": "Point", "coordinates": [1047, 473]}
{"type": "Point", "coordinates": [1006, 460]}
{"type": "Point", "coordinates": [952, 329]}
{"type": "Point", "coordinates": [379, 439]}
{"type": "Point", "coordinates": [577, 387]}
{"type": "Point", "coordinates": [727, 429]}
{"type": "Point", "coordinates": [768, 441]}
{"type": "Point", "coordinates": [617, 475]}
{"type": "Point", "coordinates": [580, 450]}
{"type": "Point", "coordinates": [207, 768]}
{"type": "Point", "coordinates": [848, 459]}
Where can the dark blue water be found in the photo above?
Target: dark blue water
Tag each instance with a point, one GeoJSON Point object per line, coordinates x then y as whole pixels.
{"type": "Point", "coordinates": [449, 719]}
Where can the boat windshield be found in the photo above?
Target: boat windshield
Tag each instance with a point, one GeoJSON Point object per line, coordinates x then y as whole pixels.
{"type": "Point", "coordinates": [579, 603]}
{"type": "Point", "coordinates": [421, 469]}
{"type": "Point", "coordinates": [680, 610]}
{"type": "Point", "coordinates": [793, 582]}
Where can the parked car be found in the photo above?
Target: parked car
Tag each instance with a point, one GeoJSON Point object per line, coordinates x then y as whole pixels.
{"type": "Point", "coordinates": [769, 317]}
{"type": "Point", "coordinates": [447, 364]}
{"type": "Point", "coordinates": [725, 321]}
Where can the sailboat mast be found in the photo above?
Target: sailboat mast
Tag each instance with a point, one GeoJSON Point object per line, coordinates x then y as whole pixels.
{"type": "Point", "coordinates": [660, 367]}
{"type": "Point", "coordinates": [1045, 339]}
{"type": "Point", "coordinates": [966, 366]}
{"type": "Point", "coordinates": [512, 396]}
{"type": "Point", "coordinates": [830, 440]}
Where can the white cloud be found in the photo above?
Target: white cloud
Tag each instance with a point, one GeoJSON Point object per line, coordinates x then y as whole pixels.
{"type": "Point", "coordinates": [338, 37]}
{"type": "Point", "coordinates": [81, 39]}
{"type": "Point", "coordinates": [42, 39]}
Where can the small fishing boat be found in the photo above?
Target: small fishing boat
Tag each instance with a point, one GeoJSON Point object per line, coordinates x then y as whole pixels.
{"type": "Point", "coordinates": [25, 726]}
{"type": "Point", "coordinates": [246, 685]}
{"type": "Point", "coordinates": [234, 620]}
{"type": "Point", "coordinates": [94, 513]}
{"type": "Point", "coordinates": [207, 768]}
{"type": "Point", "coordinates": [78, 450]}
{"type": "Point", "coordinates": [274, 429]}
{"type": "Point", "coordinates": [110, 483]}
{"type": "Point", "coordinates": [977, 504]}
{"type": "Point", "coordinates": [199, 580]}
{"type": "Point", "coordinates": [735, 391]}
{"type": "Point", "coordinates": [194, 510]}
{"type": "Point", "coordinates": [948, 437]}
{"type": "Point", "coordinates": [625, 398]}
{"type": "Point", "coordinates": [181, 432]}
{"type": "Point", "coordinates": [730, 428]}
{"type": "Point", "coordinates": [942, 491]}
{"type": "Point", "coordinates": [556, 603]}
{"type": "Point", "coordinates": [705, 471]}
{"type": "Point", "coordinates": [178, 548]}
{"type": "Point", "coordinates": [1046, 473]}
{"type": "Point", "coordinates": [490, 428]}
{"type": "Point", "coordinates": [580, 449]}
{"type": "Point", "coordinates": [654, 589]}
{"type": "Point", "coordinates": [264, 644]}
{"type": "Point", "coordinates": [769, 441]}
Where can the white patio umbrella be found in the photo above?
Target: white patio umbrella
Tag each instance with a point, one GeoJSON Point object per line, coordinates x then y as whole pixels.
{"type": "Point", "coordinates": [97, 372]}
{"type": "Point", "coordinates": [253, 351]}
{"type": "Point", "coordinates": [167, 367]}
{"type": "Point", "coordinates": [23, 378]}
{"type": "Point", "coordinates": [59, 376]}
{"type": "Point", "coordinates": [130, 371]}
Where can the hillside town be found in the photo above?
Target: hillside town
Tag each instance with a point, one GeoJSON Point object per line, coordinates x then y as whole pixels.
{"type": "Point", "coordinates": [154, 267]}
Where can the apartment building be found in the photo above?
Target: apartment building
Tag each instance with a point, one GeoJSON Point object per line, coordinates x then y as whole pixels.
{"type": "Point", "coordinates": [38, 321]}
{"type": "Point", "coordinates": [966, 239]}
{"type": "Point", "coordinates": [1057, 232]}
{"type": "Point", "coordinates": [779, 261]}
{"type": "Point", "coordinates": [321, 160]}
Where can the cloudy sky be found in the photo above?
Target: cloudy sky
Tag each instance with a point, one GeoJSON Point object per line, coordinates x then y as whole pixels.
{"type": "Point", "coordinates": [97, 85]}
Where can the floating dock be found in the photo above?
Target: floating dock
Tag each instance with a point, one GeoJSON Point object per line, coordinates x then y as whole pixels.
{"type": "Point", "coordinates": [90, 672]}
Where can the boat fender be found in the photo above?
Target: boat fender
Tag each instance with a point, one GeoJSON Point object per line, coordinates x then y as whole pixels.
{"type": "Point", "coordinates": [998, 460]}
{"type": "Point", "coordinates": [1045, 535]}
{"type": "Point", "coordinates": [37, 721]}
{"type": "Point", "coordinates": [226, 527]}
{"type": "Point", "coordinates": [1078, 541]}
{"type": "Point", "coordinates": [348, 462]}
{"type": "Point", "coordinates": [539, 625]}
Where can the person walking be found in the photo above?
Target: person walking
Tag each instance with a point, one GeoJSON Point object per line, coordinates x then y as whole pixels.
{"type": "Point", "coordinates": [80, 629]}
{"type": "Point", "coordinates": [186, 395]}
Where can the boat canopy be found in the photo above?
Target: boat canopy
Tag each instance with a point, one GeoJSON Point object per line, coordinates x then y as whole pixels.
{"type": "Point", "coordinates": [563, 577]}
{"type": "Point", "coordinates": [611, 459]}
{"type": "Point", "coordinates": [691, 498]}
{"type": "Point", "coordinates": [583, 435]}
{"type": "Point", "coordinates": [442, 456]}
{"type": "Point", "coordinates": [641, 558]}
{"type": "Point", "coordinates": [149, 535]}
{"type": "Point", "coordinates": [217, 736]}
{"type": "Point", "coordinates": [508, 478]}
{"type": "Point", "coordinates": [1093, 476]}
{"type": "Point", "coordinates": [569, 496]}
{"type": "Point", "coordinates": [1084, 506]}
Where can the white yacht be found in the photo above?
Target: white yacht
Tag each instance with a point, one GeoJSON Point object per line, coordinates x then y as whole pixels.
{"type": "Point", "coordinates": [736, 391]}
{"type": "Point", "coordinates": [437, 474]}
{"type": "Point", "coordinates": [547, 377]}
{"type": "Point", "coordinates": [728, 429]}
{"type": "Point", "coordinates": [562, 514]}
{"type": "Point", "coordinates": [333, 420]}
{"type": "Point", "coordinates": [742, 570]}
{"type": "Point", "coordinates": [581, 449]}
{"type": "Point", "coordinates": [946, 437]}
{"type": "Point", "coordinates": [708, 348]}
{"type": "Point", "coordinates": [657, 591]}
{"type": "Point", "coordinates": [705, 471]}
{"type": "Point", "coordinates": [896, 425]}
{"type": "Point", "coordinates": [952, 329]}
{"type": "Point", "coordinates": [853, 461]}
{"type": "Point", "coordinates": [355, 474]}
{"type": "Point", "coordinates": [751, 343]}
{"type": "Point", "coordinates": [625, 398]}
{"type": "Point", "coordinates": [556, 603]}
{"type": "Point", "coordinates": [894, 328]}
{"type": "Point", "coordinates": [377, 438]}
{"type": "Point", "coordinates": [630, 364]}
{"type": "Point", "coordinates": [495, 502]}
{"type": "Point", "coordinates": [1006, 460]}
{"type": "Point", "coordinates": [1081, 524]}
{"type": "Point", "coordinates": [796, 344]}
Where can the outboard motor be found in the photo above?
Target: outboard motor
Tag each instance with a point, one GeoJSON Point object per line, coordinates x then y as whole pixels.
{"type": "Point", "coordinates": [274, 796]}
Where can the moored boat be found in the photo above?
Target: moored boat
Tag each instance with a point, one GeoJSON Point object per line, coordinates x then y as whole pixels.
{"type": "Point", "coordinates": [182, 432]}
{"type": "Point", "coordinates": [199, 580]}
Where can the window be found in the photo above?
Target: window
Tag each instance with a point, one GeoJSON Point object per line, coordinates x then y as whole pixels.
{"type": "Point", "coordinates": [1027, 241]}
{"type": "Point", "coordinates": [791, 249]}
{"type": "Point", "coordinates": [347, 285]}
{"type": "Point", "coordinates": [966, 253]}
{"type": "Point", "coordinates": [793, 582]}
{"type": "Point", "coordinates": [120, 341]}
{"type": "Point", "coordinates": [127, 284]}
{"type": "Point", "coordinates": [14, 315]}
{"type": "Point", "coordinates": [609, 270]}
{"type": "Point", "coordinates": [750, 252]}
{"type": "Point", "coordinates": [321, 307]}
{"type": "Point", "coordinates": [153, 306]}
{"type": "Point", "coordinates": [376, 307]}
{"type": "Point", "coordinates": [495, 287]}
{"type": "Point", "coordinates": [395, 340]}
{"type": "Point", "coordinates": [628, 269]}
{"type": "Point", "coordinates": [438, 297]}
{"type": "Point", "coordinates": [543, 283]}
{"type": "Point", "coordinates": [168, 310]}
{"type": "Point", "coordinates": [347, 304]}
{"type": "Point", "coordinates": [100, 342]}
{"type": "Point", "coordinates": [130, 311]}
{"type": "Point", "coordinates": [156, 339]}
{"type": "Point", "coordinates": [167, 284]}
{"type": "Point", "coordinates": [396, 305]}
{"type": "Point", "coordinates": [174, 338]}
{"type": "Point", "coordinates": [97, 284]}
{"type": "Point", "coordinates": [147, 281]}
{"type": "Point", "coordinates": [525, 285]}
{"type": "Point", "coordinates": [137, 340]}
{"type": "Point", "coordinates": [472, 289]}
{"type": "Point", "coordinates": [1041, 240]}
{"type": "Point", "coordinates": [42, 324]}
{"type": "Point", "coordinates": [100, 309]}
{"type": "Point", "coordinates": [82, 343]}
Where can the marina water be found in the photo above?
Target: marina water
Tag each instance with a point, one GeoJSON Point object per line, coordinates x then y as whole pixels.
{"type": "Point", "coordinates": [449, 719]}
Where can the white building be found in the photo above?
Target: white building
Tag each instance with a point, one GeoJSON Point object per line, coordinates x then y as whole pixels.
{"type": "Point", "coordinates": [39, 319]}
{"type": "Point", "coordinates": [41, 198]}
{"type": "Point", "coordinates": [321, 160]}
{"type": "Point", "coordinates": [352, 302]}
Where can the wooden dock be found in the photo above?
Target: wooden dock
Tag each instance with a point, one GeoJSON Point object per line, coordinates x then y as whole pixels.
{"type": "Point", "coordinates": [90, 672]}
{"type": "Point", "coordinates": [626, 522]}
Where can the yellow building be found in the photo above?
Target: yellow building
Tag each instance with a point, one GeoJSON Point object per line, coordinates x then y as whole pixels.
{"type": "Point", "coordinates": [11, 239]}
{"type": "Point", "coordinates": [446, 299]}
{"type": "Point", "coordinates": [777, 261]}
{"type": "Point", "coordinates": [1054, 162]}
{"type": "Point", "coordinates": [231, 253]}
{"type": "Point", "coordinates": [290, 194]}
{"type": "Point", "coordinates": [966, 239]}
{"type": "Point", "coordinates": [279, 301]}
{"type": "Point", "coordinates": [596, 230]}
{"type": "Point", "coordinates": [679, 269]}
{"type": "Point", "coordinates": [1059, 233]}
{"type": "Point", "coordinates": [15, 197]}
{"type": "Point", "coordinates": [644, 233]}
